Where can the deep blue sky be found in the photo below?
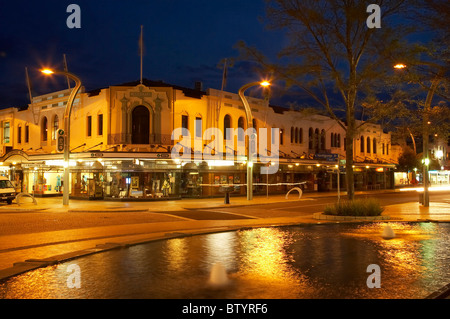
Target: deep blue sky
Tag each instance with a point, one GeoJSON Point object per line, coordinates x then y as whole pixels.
{"type": "Point", "coordinates": [184, 42]}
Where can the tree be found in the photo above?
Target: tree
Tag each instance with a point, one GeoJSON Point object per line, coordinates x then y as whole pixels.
{"type": "Point", "coordinates": [334, 56]}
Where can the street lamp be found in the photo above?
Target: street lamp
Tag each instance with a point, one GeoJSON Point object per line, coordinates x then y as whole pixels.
{"type": "Point", "coordinates": [251, 146]}
{"type": "Point", "coordinates": [425, 134]}
{"type": "Point", "coordinates": [66, 127]}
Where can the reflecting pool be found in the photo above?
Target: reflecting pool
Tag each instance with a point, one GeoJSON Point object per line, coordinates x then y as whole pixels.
{"type": "Point", "coordinates": [311, 261]}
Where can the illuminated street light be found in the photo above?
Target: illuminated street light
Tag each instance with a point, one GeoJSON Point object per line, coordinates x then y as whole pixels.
{"type": "Point", "coordinates": [66, 127]}
{"type": "Point", "coordinates": [399, 66]}
{"type": "Point", "coordinates": [425, 133]}
{"type": "Point", "coordinates": [252, 138]}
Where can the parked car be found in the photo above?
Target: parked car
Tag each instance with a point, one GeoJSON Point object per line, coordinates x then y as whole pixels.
{"type": "Point", "coordinates": [7, 191]}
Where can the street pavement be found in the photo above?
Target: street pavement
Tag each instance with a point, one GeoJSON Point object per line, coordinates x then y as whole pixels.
{"type": "Point", "coordinates": [36, 235]}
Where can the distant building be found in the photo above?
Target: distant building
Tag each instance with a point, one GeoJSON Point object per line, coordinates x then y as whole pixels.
{"type": "Point", "coordinates": [121, 143]}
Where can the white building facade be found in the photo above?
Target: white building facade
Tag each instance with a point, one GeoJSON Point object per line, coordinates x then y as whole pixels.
{"type": "Point", "coordinates": [121, 145]}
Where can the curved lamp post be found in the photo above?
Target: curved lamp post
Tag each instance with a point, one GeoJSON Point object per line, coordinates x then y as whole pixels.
{"type": "Point", "coordinates": [425, 132]}
{"type": "Point", "coordinates": [252, 137]}
{"type": "Point", "coordinates": [66, 127]}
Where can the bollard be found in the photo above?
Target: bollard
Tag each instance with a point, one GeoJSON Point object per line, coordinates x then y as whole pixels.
{"type": "Point", "coordinates": [227, 197]}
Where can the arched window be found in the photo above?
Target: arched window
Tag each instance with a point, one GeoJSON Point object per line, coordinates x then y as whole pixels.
{"type": "Point", "coordinates": [44, 129]}
{"type": "Point", "coordinates": [316, 139]}
{"type": "Point", "coordinates": [368, 144]}
{"type": "Point", "coordinates": [362, 145]}
{"type": "Point", "coordinates": [227, 127]}
{"type": "Point", "coordinates": [242, 128]}
{"type": "Point", "coordinates": [55, 127]}
{"type": "Point", "coordinates": [374, 147]}
{"type": "Point", "coordinates": [140, 121]}
{"type": "Point", "coordinates": [19, 134]}
{"type": "Point", "coordinates": [322, 139]}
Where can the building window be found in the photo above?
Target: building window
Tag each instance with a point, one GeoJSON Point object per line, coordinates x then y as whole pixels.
{"type": "Point", "coordinates": [55, 127]}
{"type": "Point", "coordinates": [44, 129]}
{"type": "Point", "coordinates": [296, 135]}
{"type": "Point", "coordinates": [382, 148]}
{"type": "Point", "coordinates": [368, 144]}
{"type": "Point", "coordinates": [374, 146]}
{"type": "Point", "coordinates": [362, 145]}
{"type": "Point", "coordinates": [89, 126]}
{"type": "Point", "coordinates": [322, 140]}
{"type": "Point", "coordinates": [198, 127]}
{"type": "Point", "coordinates": [27, 133]}
{"type": "Point", "coordinates": [281, 136]}
{"type": "Point", "coordinates": [332, 140]}
{"type": "Point", "coordinates": [387, 149]}
{"type": "Point", "coordinates": [227, 127]}
{"type": "Point", "coordinates": [338, 140]}
{"type": "Point", "coordinates": [242, 128]}
{"type": "Point", "coordinates": [254, 125]}
{"type": "Point", "coordinates": [300, 135]}
{"type": "Point", "coordinates": [310, 138]}
{"type": "Point", "coordinates": [100, 124]}
{"type": "Point", "coordinates": [292, 134]}
{"type": "Point", "coordinates": [6, 132]}
{"type": "Point", "coordinates": [19, 134]}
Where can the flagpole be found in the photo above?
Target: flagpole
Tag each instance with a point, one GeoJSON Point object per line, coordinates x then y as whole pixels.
{"type": "Point", "coordinates": [141, 44]}
{"type": "Point", "coordinates": [224, 81]}
{"type": "Point", "coordinates": [28, 85]}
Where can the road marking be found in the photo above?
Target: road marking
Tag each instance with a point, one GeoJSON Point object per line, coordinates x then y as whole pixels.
{"type": "Point", "coordinates": [279, 208]}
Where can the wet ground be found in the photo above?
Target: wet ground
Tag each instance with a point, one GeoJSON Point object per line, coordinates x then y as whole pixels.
{"type": "Point", "coordinates": [309, 261]}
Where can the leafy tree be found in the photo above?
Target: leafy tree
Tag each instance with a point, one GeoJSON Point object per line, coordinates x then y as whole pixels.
{"type": "Point", "coordinates": [334, 56]}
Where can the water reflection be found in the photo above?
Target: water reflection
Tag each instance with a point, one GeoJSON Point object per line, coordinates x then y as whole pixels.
{"type": "Point", "coordinates": [326, 261]}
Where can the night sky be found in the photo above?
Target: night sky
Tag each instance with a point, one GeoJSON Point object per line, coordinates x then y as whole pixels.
{"type": "Point", "coordinates": [184, 42]}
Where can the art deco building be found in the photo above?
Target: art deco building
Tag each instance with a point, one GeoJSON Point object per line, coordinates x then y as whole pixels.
{"type": "Point", "coordinates": [121, 145]}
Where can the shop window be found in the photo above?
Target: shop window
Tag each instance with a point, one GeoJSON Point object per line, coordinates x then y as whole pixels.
{"type": "Point", "coordinates": [100, 124]}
